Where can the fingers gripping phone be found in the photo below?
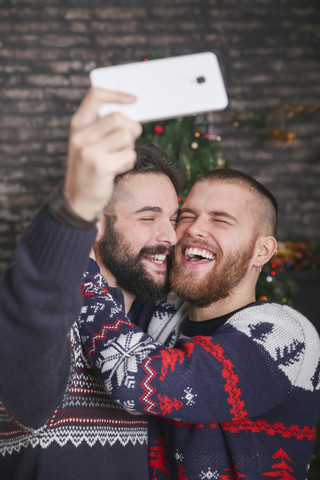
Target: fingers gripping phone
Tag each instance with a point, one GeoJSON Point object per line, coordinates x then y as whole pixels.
{"type": "Point", "coordinates": [165, 88]}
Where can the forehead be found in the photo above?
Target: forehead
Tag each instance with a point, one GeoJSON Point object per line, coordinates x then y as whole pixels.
{"type": "Point", "coordinates": [147, 189]}
{"type": "Point", "coordinates": [207, 196]}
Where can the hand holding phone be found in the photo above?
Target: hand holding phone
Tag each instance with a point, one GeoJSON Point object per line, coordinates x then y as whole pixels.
{"type": "Point", "coordinates": [165, 88]}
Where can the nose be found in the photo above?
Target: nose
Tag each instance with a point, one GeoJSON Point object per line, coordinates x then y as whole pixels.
{"type": "Point", "coordinates": [167, 233]}
{"type": "Point", "coordinates": [198, 228]}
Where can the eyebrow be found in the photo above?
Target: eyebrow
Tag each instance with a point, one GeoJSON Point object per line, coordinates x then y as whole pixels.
{"type": "Point", "coordinates": [212, 213]}
{"type": "Point", "coordinates": [221, 213]}
{"type": "Point", "coordinates": [153, 209]}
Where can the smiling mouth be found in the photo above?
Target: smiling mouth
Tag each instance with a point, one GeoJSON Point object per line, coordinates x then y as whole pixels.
{"type": "Point", "coordinates": [197, 254]}
{"type": "Point", "coordinates": [157, 258]}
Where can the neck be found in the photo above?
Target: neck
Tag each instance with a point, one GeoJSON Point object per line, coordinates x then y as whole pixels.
{"type": "Point", "coordinates": [112, 281]}
{"type": "Point", "coordinates": [128, 300]}
{"type": "Point", "coordinates": [234, 301]}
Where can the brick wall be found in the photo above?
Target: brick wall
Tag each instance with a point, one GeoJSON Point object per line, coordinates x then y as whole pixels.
{"type": "Point", "coordinates": [268, 51]}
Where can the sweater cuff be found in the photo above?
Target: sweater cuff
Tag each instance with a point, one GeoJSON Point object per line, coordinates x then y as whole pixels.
{"type": "Point", "coordinates": [61, 210]}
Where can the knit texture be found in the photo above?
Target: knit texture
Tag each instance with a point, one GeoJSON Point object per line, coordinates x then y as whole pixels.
{"type": "Point", "coordinates": [241, 403]}
{"type": "Point", "coordinates": [56, 420]}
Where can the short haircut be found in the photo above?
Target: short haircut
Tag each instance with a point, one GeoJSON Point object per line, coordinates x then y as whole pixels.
{"type": "Point", "coordinates": [268, 205]}
{"type": "Point", "coordinates": [150, 160]}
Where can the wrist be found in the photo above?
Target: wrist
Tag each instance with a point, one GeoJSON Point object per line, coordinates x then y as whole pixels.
{"type": "Point", "coordinates": [62, 211]}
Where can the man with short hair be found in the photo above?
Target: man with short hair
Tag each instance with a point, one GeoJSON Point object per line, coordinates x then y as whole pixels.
{"type": "Point", "coordinates": [57, 422]}
{"type": "Point", "coordinates": [235, 394]}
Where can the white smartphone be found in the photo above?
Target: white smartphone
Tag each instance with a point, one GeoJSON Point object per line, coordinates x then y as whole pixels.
{"type": "Point", "coordinates": [165, 88]}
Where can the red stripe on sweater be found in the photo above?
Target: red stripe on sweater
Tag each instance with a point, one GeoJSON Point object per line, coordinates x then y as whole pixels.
{"type": "Point", "coordinates": [257, 426]}
{"type": "Point", "coordinates": [104, 329]}
{"type": "Point", "coordinates": [228, 374]}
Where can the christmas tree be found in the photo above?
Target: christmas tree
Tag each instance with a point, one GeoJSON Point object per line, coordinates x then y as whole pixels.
{"type": "Point", "coordinates": [281, 468]}
{"type": "Point", "coordinates": [187, 142]}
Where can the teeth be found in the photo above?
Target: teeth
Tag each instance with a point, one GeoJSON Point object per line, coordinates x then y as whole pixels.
{"type": "Point", "coordinates": [158, 258]}
{"type": "Point", "coordinates": [199, 252]}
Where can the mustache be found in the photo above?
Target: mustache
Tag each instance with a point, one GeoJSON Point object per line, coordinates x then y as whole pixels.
{"type": "Point", "coordinates": [157, 250]}
{"type": "Point", "coordinates": [202, 243]}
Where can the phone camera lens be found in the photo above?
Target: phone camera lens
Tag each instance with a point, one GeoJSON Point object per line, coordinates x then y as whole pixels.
{"type": "Point", "coordinates": [201, 79]}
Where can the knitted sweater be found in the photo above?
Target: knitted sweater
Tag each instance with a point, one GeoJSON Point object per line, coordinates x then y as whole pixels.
{"type": "Point", "coordinates": [56, 421]}
{"type": "Point", "coordinates": [236, 397]}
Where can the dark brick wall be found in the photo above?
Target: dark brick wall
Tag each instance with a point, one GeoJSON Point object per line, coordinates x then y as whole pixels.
{"type": "Point", "coordinates": [269, 55]}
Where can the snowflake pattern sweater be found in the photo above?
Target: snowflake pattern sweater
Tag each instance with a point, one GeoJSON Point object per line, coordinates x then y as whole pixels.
{"type": "Point", "coordinates": [56, 421]}
{"type": "Point", "coordinates": [234, 398]}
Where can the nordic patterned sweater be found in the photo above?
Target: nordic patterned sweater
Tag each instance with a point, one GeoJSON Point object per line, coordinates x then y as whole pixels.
{"type": "Point", "coordinates": [56, 421]}
{"type": "Point", "coordinates": [236, 397]}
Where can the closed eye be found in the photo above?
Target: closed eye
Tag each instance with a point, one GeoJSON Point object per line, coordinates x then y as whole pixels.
{"type": "Point", "coordinates": [187, 218]}
{"type": "Point", "coordinates": [219, 220]}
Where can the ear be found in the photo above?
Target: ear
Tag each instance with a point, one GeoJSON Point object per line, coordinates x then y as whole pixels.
{"type": "Point", "coordinates": [94, 253]}
{"type": "Point", "coordinates": [264, 250]}
{"type": "Point", "coordinates": [101, 224]}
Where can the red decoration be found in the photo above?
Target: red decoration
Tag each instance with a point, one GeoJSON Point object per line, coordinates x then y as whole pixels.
{"type": "Point", "coordinates": [157, 457]}
{"type": "Point", "coordinates": [158, 129]}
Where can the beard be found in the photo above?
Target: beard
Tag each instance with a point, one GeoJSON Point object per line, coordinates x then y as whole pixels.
{"type": "Point", "coordinates": [226, 274]}
{"type": "Point", "coordinates": [127, 267]}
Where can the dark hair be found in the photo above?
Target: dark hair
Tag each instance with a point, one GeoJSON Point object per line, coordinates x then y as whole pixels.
{"type": "Point", "coordinates": [230, 175]}
{"type": "Point", "coordinates": [151, 159]}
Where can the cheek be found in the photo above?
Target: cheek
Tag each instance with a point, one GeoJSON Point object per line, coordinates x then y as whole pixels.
{"type": "Point", "coordinates": [141, 236]}
{"type": "Point", "coordinates": [180, 230]}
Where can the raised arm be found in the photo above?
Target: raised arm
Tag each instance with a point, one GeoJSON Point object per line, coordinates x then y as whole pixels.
{"type": "Point", "coordinates": [39, 293]}
{"type": "Point", "coordinates": [236, 374]}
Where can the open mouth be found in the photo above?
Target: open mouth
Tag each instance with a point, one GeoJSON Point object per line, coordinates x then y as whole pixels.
{"type": "Point", "coordinates": [158, 258]}
{"type": "Point", "coordinates": [196, 255]}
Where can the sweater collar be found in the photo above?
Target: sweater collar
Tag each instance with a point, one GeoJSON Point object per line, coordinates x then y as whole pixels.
{"type": "Point", "coordinates": [209, 327]}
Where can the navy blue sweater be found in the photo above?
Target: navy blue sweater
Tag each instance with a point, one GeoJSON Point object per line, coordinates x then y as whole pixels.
{"type": "Point", "coordinates": [56, 420]}
{"type": "Point", "coordinates": [232, 399]}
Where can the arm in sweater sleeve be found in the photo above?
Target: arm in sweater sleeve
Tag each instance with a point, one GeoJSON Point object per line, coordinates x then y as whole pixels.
{"type": "Point", "coordinates": [201, 380]}
{"type": "Point", "coordinates": [39, 301]}
{"type": "Point", "coordinates": [39, 294]}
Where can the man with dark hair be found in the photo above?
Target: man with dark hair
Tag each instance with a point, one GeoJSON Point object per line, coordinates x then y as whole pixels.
{"type": "Point", "coordinates": [235, 392]}
{"type": "Point", "coordinates": [57, 422]}
{"type": "Point", "coordinates": [137, 232]}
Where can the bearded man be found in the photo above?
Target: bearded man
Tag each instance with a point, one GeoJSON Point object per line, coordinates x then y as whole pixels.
{"type": "Point", "coordinates": [137, 233]}
{"type": "Point", "coordinates": [133, 249]}
{"type": "Point", "coordinates": [238, 394]}
{"type": "Point", "coordinates": [77, 430]}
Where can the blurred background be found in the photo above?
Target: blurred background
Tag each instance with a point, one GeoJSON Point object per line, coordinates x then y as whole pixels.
{"type": "Point", "coordinates": [268, 51]}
